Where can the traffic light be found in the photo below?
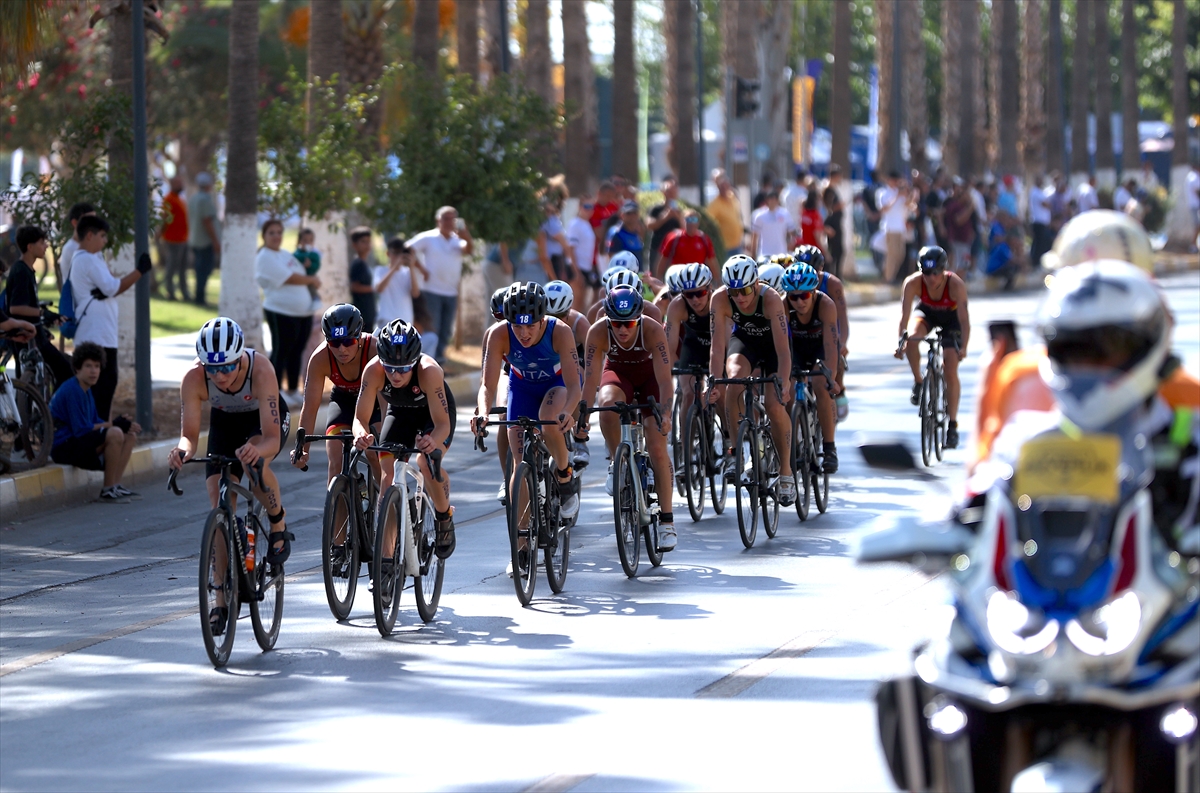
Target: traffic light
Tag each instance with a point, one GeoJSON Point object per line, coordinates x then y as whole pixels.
{"type": "Point", "coordinates": [747, 97]}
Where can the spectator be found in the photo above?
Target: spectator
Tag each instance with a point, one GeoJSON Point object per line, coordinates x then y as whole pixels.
{"type": "Point", "coordinates": [1149, 180]}
{"type": "Point", "coordinates": [581, 238]}
{"type": "Point", "coordinates": [870, 203]}
{"type": "Point", "coordinates": [362, 282]}
{"type": "Point", "coordinates": [21, 299]}
{"type": "Point", "coordinates": [665, 218]}
{"type": "Point", "coordinates": [834, 231]}
{"type": "Point", "coordinates": [287, 305]}
{"type": "Point", "coordinates": [1085, 195]}
{"type": "Point", "coordinates": [441, 251]}
{"type": "Point", "coordinates": [76, 212]}
{"type": "Point", "coordinates": [1058, 198]}
{"type": "Point", "coordinates": [395, 284]}
{"type": "Point", "coordinates": [1000, 262]}
{"type": "Point", "coordinates": [686, 246]}
{"type": "Point", "coordinates": [310, 257]}
{"type": "Point", "coordinates": [895, 203]}
{"type": "Point", "coordinates": [726, 210]}
{"type": "Point", "coordinates": [812, 229]}
{"type": "Point", "coordinates": [793, 195]}
{"type": "Point", "coordinates": [174, 236]}
{"type": "Point", "coordinates": [767, 184]}
{"type": "Point", "coordinates": [1039, 221]}
{"type": "Point", "coordinates": [628, 235]}
{"type": "Point", "coordinates": [94, 288]}
{"type": "Point", "coordinates": [770, 228]}
{"type": "Point", "coordinates": [959, 217]}
{"type": "Point", "coordinates": [81, 437]}
{"type": "Point", "coordinates": [203, 237]}
{"type": "Point", "coordinates": [979, 249]}
{"type": "Point", "coordinates": [554, 252]}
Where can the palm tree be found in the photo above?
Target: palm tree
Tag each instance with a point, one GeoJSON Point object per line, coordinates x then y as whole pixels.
{"type": "Point", "coordinates": [364, 28]}
{"type": "Point", "coordinates": [425, 35]}
{"type": "Point", "coordinates": [1080, 85]}
{"type": "Point", "coordinates": [535, 61]}
{"type": "Point", "coordinates": [885, 13]}
{"type": "Point", "coordinates": [467, 30]}
{"type": "Point", "coordinates": [916, 101]}
{"type": "Point", "coordinates": [774, 43]}
{"type": "Point", "coordinates": [25, 26]}
{"type": "Point", "coordinates": [1056, 152]}
{"type": "Point", "coordinates": [491, 35]}
{"type": "Point", "coordinates": [1106, 166]}
{"type": "Point", "coordinates": [578, 96]}
{"type": "Point", "coordinates": [679, 30]}
{"type": "Point", "coordinates": [1181, 226]}
{"type": "Point", "coordinates": [624, 94]}
{"type": "Point", "coordinates": [239, 296]}
{"type": "Point", "coordinates": [1033, 109]}
{"type": "Point", "coordinates": [951, 85]}
{"type": "Point", "coordinates": [840, 99]}
{"type": "Point", "coordinates": [970, 89]}
{"type": "Point", "coordinates": [1130, 145]}
{"type": "Point", "coordinates": [326, 41]}
{"type": "Point", "coordinates": [739, 57]}
{"type": "Point", "coordinates": [1007, 39]}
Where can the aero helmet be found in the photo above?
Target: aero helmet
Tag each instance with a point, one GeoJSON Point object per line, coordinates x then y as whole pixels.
{"type": "Point", "coordinates": [525, 304]}
{"type": "Point", "coordinates": [399, 344]}
{"type": "Point", "coordinates": [739, 271]}
{"type": "Point", "coordinates": [220, 341]}
{"type": "Point", "coordinates": [623, 303]}
{"type": "Point", "coordinates": [559, 298]}
{"type": "Point", "coordinates": [343, 321]}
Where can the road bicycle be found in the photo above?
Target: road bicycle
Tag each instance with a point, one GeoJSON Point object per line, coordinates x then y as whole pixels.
{"type": "Point", "coordinates": [26, 427]}
{"type": "Point", "coordinates": [702, 452]}
{"type": "Point", "coordinates": [233, 566]}
{"type": "Point", "coordinates": [348, 523]}
{"type": "Point", "coordinates": [635, 504]}
{"type": "Point", "coordinates": [933, 407]}
{"type": "Point", "coordinates": [31, 366]}
{"type": "Point", "coordinates": [808, 443]}
{"type": "Point", "coordinates": [534, 511]}
{"type": "Point", "coordinates": [756, 461]}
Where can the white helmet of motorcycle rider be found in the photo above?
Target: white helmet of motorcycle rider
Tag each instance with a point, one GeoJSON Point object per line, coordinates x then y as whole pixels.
{"type": "Point", "coordinates": [1100, 234]}
{"type": "Point", "coordinates": [1107, 338]}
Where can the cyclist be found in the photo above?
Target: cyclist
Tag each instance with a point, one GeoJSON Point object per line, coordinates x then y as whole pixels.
{"type": "Point", "coordinates": [812, 319]}
{"type": "Point", "coordinates": [497, 309]}
{"type": "Point", "coordinates": [670, 289]}
{"type": "Point", "coordinates": [687, 326]}
{"type": "Point", "coordinates": [543, 380]}
{"type": "Point", "coordinates": [420, 414]}
{"type": "Point", "coordinates": [750, 335]}
{"type": "Point", "coordinates": [627, 361]}
{"type": "Point", "coordinates": [943, 304]}
{"type": "Point", "coordinates": [246, 420]}
{"type": "Point", "coordinates": [832, 286]}
{"type": "Point", "coordinates": [771, 274]}
{"type": "Point", "coordinates": [347, 348]}
{"type": "Point", "coordinates": [618, 275]}
{"type": "Point", "coordinates": [559, 301]}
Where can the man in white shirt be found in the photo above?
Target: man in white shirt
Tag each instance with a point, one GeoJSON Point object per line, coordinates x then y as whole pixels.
{"type": "Point", "coordinates": [1039, 221]}
{"type": "Point", "coordinates": [76, 213]}
{"type": "Point", "coordinates": [770, 227]}
{"type": "Point", "coordinates": [395, 284]}
{"type": "Point", "coordinates": [95, 289]}
{"type": "Point", "coordinates": [793, 196]}
{"type": "Point", "coordinates": [582, 239]}
{"type": "Point", "coordinates": [894, 209]}
{"type": "Point", "coordinates": [1085, 195]}
{"type": "Point", "coordinates": [442, 250]}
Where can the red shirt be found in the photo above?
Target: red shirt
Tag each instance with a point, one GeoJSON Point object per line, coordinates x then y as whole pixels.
{"type": "Point", "coordinates": [175, 231]}
{"type": "Point", "coordinates": [601, 213]}
{"type": "Point", "coordinates": [678, 247]}
{"type": "Point", "coordinates": [810, 221]}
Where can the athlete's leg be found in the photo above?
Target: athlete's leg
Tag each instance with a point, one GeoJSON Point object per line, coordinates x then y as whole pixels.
{"type": "Point", "coordinates": [781, 430]}
{"type": "Point", "coordinates": [918, 329]}
{"type": "Point", "coordinates": [950, 360]}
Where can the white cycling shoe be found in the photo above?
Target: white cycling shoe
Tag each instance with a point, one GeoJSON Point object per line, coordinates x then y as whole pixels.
{"type": "Point", "coordinates": [667, 538]}
{"type": "Point", "coordinates": [608, 483]}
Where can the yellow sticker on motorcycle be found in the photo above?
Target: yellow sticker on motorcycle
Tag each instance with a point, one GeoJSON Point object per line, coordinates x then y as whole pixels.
{"type": "Point", "coordinates": [1057, 465]}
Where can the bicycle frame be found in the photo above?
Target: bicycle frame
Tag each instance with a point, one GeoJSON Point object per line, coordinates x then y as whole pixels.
{"type": "Point", "coordinates": [633, 436]}
{"type": "Point", "coordinates": [533, 451]}
{"type": "Point", "coordinates": [254, 508]}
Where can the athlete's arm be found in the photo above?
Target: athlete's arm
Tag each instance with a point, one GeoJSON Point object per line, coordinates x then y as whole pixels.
{"type": "Point", "coordinates": [433, 381]}
{"type": "Point", "coordinates": [837, 291]}
{"type": "Point", "coordinates": [673, 327]}
{"type": "Point", "coordinates": [372, 381]}
{"type": "Point", "coordinates": [652, 311]}
{"type": "Point", "coordinates": [493, 353]}
{"type": "Point", "coordinates": [907, 293]}
{"type": "Point", "coordinates": [958, 291]}
{"type": "Point", "coordinates": [773, 308]}
{"type": "Point", "coordinates": [580, 332]}
{"type": "Point", "coordinates": [593, 357]}
{"type": "Point", "coordinates": [719, 320]}
{"type": "Point", "coordinates": [314, 388]}
{"type": "Point", "coordinates": [191, 398]}
{"type": "Point", "coordinates": [656, 340]}
{"type": "Point", "coordinates": [829, 338]}
{"type": "Point", "coordinates": [568, 357]}
{"type": "Point", "coordinates": [266, 388]}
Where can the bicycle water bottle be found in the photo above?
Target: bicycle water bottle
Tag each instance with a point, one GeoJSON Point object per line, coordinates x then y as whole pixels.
{"type": "Point", "coordinates": [363, 495]}
{"type": "Point", "coordinates": [250, 551]}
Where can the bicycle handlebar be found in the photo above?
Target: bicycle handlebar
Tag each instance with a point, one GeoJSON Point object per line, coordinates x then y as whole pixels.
{"type": "Point", "coordinates": [821, 370]}
{"type": "Point", "coordinates": [693, 371]}
{"type": "Point", "coordinates": [396, 449]}
{"type": "Point", "coordinates": [627, 409]}
{"type": "Point", "coordinates": [253, 471]}
{"type": "Point", "coordinates": [521, 421]}
{"type": "Point", "coordinates": [751, 381]}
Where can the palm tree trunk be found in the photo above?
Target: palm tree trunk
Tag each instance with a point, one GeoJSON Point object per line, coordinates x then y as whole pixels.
{"type": "Point", "coordinates": [739, 56]}
{"type": "Point", "coordinates": [916, 101]}
{"type": "Point", "coordinates": [1106, 166]}
{"type": "Point", "coordinates": [679, 30]}
{"type": "Point", "coordinates": [991, 95]}
{"type": "Point", "coordinates": [625, 93]}
{"type": "Point", "coordinates": [885, 15]}
{"type": "Point", "coordinates": [326, 60]}
{"type": "Point", "coordinates": [1080, 99]}
{"type": "Point", "coordinates": [364, 57]}
{"type": "Point", "coordinates": [535, 65]}
{"type": "Point", "coordinates": [1033, 109]}
{"type": "Point", "coordinates": [1181, 225]}
{"type": "Point", "coordinates": [491, 10]}
{"type": "Point", "coordinates": [1056, 144]}
{"type": "Point", "coordinates": [1131, 154]}
{"type": "Point", "coordinates": [467, 30]}
{"type": "Point", "coordinates": [969, 88]}
{"type": "Point", "coordinates": [120, 161]}
{"type": "Point", "coordinates": [326, 45]}
{"type": "Point", "coordinates": [424, 35]}
{"type": "Point", "coordinates": [951, 86]}
{"type": "Point", "coordinates": [775, 38]}
{"type": "Point", "coordinates": [578, 96]}
{"type": "Point", "coordinates": [1008, 84]}
{"type": "Point", "coordinates": [840, 99]}
{"type": "Point", "coordinates": [239, 295]}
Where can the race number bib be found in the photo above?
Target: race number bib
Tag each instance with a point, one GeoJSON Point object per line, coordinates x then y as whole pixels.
{"type": "Point", "coordinates": [1061, 466]}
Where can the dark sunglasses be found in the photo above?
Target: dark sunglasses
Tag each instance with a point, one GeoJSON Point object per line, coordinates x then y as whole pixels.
{"type": "Point", "coordinates": [224, 368]}
{"type": "Point", "coordinates": [623, 323]}
{"type": "Point", "coordinates": [587, 206]}
{"type": "Point", "coordinates": [696, 294]}
{"type": "Point", "coordinates": [693, 220]}
{"type": "Point", "coordinates": [799, 295]}
{"type": "Point", "coordinates": [349, 341]}
{"type": "Point", "coordinates": [398, 369]}
{"type": "Point", "coordinates": [744, 291]}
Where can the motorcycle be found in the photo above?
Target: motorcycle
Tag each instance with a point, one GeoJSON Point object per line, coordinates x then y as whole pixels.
{"type": "Point", "coordinates": [1072, 661]}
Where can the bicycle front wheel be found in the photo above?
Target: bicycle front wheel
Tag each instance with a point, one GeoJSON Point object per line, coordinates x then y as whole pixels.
{"type": "Point", "coordinates": [339, 549]}
{"type": "Point", "coordinates": [928, 428]}
{"type": "Point", "coordinates": [800, 475]}
{"type": "Point", "coordinates": [746, 488]}
{"type": "Point", "coordinates": [427, 585]}
{"type": "Point", "coordinates": [768, 494]}
{"type": "Point", "coordinates": [387, 561]}
{"type": "Point", "coordinates": [266, 597]}
{"type": "Point", "coordinates": [820, 479]}
{"type": "Point", "coordinates": [693, 462]}
{"type": "Point", "coordinates": [218, 588]}
{"type": "Point", "coordinates": [556, 557]}
{"type": "Point", "coordinates": [35, 436]}
{"type": "Point", "coordinates": [625, 512]}
{"type": "Point", "coordinates": [523, 531]}
{"type": "Point", "coordinates": [678, 450]}
{"type": "Point", "coordinates": [718, 488]}
{"type": "Point", "coordinates": [941, 416]}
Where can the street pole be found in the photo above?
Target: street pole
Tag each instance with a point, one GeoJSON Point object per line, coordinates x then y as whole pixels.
{"type": "Point", "coordinates": [504, 54]}
{"type": "Point", "coordinates": [700, 101]}
{"type": "Point", "coordinates": [141, 223]}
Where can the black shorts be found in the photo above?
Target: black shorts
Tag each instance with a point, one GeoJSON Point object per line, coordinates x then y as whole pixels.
{"type": "Point", "coordinates": [562, 270]}
{"type": "Point", "coordinates": [947, 321]}
{"type": "Point", "coordinates": [693, 353]}
{"type": "Point", "coordinates": [591, 277]}
{"type": "Point", "coordinates": [82, 451]}
{"type": "Point", "coordinates": [228, 432]}
{"type": "Point", "coordinates": [401, 424]}
{"type": "Point", "coordinates": [806, 353]}
{"type": "Point", "coordinates": [342, 405]}
{"type": "Point", "coordinates": [758, 350]}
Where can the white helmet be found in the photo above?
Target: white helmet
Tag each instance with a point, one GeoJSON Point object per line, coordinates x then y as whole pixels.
{"type": "Point", "coordinates": [1107, 337]}
{"type": "Point", "coordinates": [739, 271]}
{"type": "Point", "coordinates": [220, 341]}
{"type": "Point", "coordinates": [622, 277]}
{"type": "Point", "coordinates": [771, 275]}
{"type": "Point", "coordinates": [1100, 234]}
{"type": "Point", "coordinates": [623, 261]}
{"type": "Point", "coordinates": [672, 278]}
{"type": "Point", "coordinates": [694, 276]}
{"type": "Point", "coordinates": [559, 298]}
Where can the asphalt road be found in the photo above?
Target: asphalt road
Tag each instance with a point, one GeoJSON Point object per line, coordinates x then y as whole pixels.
{"type": "Point", "coordinates": [723, 669]}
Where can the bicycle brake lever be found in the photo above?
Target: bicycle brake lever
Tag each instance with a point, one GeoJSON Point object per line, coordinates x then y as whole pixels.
{"type": "Point", "coordinates": [435, 464]}
{"type": "Point", "coordinates": [172, 485]}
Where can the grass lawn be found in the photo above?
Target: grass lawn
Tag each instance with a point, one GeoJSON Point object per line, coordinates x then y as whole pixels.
{"type": "Point", "coordinates": [167, 318]}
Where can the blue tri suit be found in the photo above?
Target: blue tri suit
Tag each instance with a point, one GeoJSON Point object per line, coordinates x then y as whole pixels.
{"type": "Point", "coordinates": [533, 371]}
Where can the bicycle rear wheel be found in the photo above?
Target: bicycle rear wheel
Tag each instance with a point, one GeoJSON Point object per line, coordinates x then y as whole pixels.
{"type": "Point", "coordinates": [678, 449]}
{"type": "Point", "coordinates": [218, 587]}
{"type": "Point", "coordinates": [800, 475]}
{"type": "Point", "coordinates": [523, 531]}
{"type": "Point", "coordinates": [266, 597]}
{"type": "Point", "coordinates": [746, 488]}
{"type": "Point", "coordinates": [625, 512]}
{"type": "Point", "coordinates": [718, 488]}
{"type": "Point", "coordinates": [35, 436]}
{"type": "Point", "coordinates": [768, 496]}
{"type": "Point", "coordinates": [427, 586]}
{"type": "Point", "coordinates": [556, 557]}
{"type": "Point", "coordinates": [387, 561]}
{"type": "Point", "coordinates": [693, 462]}
{"type": "Point", "coordinates": [927, 426]}
{"type": "Point", "coordinates": [340, 554]}
{"type": "Point", "coordinates": [820, 479]}
{"type": "Point", "coordinates": [941, 416]}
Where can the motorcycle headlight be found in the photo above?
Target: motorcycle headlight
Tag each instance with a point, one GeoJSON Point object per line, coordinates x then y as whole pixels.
{"type": "Point", "coordinates": [1015, 629]}
{"type": "Point", "coordinates": [1108, 630]}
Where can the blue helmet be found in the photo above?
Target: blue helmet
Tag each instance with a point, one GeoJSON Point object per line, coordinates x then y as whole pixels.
{"type": "Point", "coordinates": [623, 303]}
{"type": "Point", "coordinates": [800, 277]}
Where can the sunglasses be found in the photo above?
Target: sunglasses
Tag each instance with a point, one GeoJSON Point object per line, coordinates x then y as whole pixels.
{"type": "Point", "coordinates": [745, 291]}
{"type": "Point", "coordinates": [799, 295]}
{"type": "Point", "coordinates": [586, 206]}
{"type": "Point", "coordinates": [398, 369]}
{"type": "Point", "coordinates": [349, 341]}
{"type": "Point", "coordinates": [623, 323]}
{"type": "Point", "coordinates": [695, 295]}
{"type": "Point", "coordinates": [693, 220]}
{"type": "Point", "coordinates": [225, 368]}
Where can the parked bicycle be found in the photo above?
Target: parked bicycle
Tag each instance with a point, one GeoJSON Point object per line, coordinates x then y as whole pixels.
{"type": "Point", "coordinates": [31, 366]}
{"type": "Point", "coordinates": [701, 454]}
{"type": "Point", "coordinates": [230, 572]}
{"type": "Point", "coordinates": [26, 427]}
{"type": "Point", "coordinates": [808, 455]}
{"type": "Point", "coordinates": [933, 407]}
{"type": "Point", "coordinates": [635, 504]}
{"type": "Point", "coordinates": [756, 461]}
{"type": "Point", "coordinates": [534, 514]}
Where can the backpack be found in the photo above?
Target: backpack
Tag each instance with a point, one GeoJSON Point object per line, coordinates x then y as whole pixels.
{"type": "Point", "coordinates": [66, 310]}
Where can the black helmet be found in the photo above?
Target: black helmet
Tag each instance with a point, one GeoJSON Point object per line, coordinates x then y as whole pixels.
{"type": "Point", "coordinates": [399, 344]}
{"type": "Point", "coordinates": [623, 304]}
{"type": "Point", "coordinates": [525, 304]}
{"type": "Point", "coordinates": [498, 302]}
{"type": "Point", "coordinates": [342, 321]}
{"type": "Point", "coordinates": [811, 255]}
{"type": "Point", "coordinates": [932, 259]}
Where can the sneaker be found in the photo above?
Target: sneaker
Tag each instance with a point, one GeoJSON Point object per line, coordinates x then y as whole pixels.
{"type": "Point", "coordinates": [843, 407]}
{"type": "Point", "coordinates": [787, 491]}
{"type": "Point", "coordinates": [127, 493]}
{"type": "Point", "coordinates": [502, 495]}
{"type": "Point", "coordinates": [915, 397]}
{"type": "Point", "coordinates": [666, 537]}
{"type": "Point", "coordinates": [830, 463]}
{"type": "Point", "coordinates": [582, 455]}
{"type": "Point", "coordinates": [608, 483]}
{"type": "Point", "coordinates": [952, 436]}
{"type": "Point", "coordinates": [109, 495]}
